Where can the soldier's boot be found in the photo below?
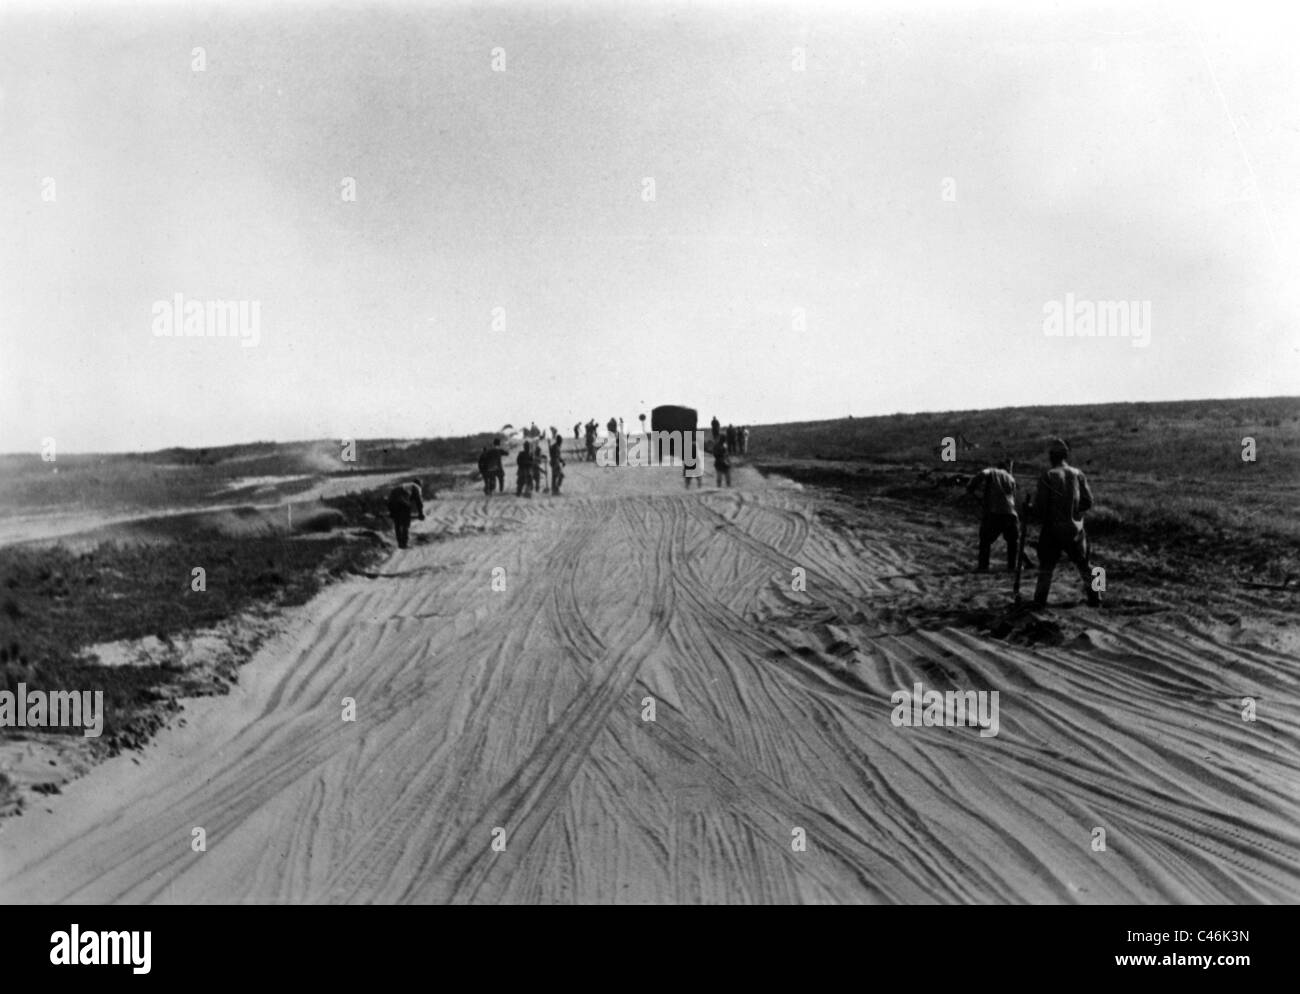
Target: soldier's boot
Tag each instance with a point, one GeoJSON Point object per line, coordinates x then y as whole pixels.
{"type": "Point", "coordinates": [1042, 589]}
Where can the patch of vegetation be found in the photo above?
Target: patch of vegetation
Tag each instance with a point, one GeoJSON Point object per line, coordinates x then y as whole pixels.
{"type": "Point", "coordinates": [1193, 440]}
{"type": "Point", "coordinates": [173, 478]}
{"type": "Point", "coordinates": [55, 603]}
{"type": "Point", "coordinates": [1168, 478]}
{"type": "Point", "coordinates": [1161, 528]}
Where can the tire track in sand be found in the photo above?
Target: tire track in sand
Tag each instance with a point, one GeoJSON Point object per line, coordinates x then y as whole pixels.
{"type": "Point", "coordinates": [520, 710]}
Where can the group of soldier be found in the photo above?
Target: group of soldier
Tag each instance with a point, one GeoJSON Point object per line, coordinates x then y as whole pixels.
{"type": "Point", "coordinates": [726, 442]}
{"type": "Point", "coordinates": [587, 431]}
{"type": "Point", "coordinates": [539, 466]}
{"type": "Point", "coordinates": [736, 439]}
{"type": "Point", "coordinates": [540, 462]}
{"type": "Point", "coordinates": [1059, 502]}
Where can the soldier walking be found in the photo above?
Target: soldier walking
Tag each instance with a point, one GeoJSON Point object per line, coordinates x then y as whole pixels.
{"type": "Point", "coordinates": [722, 462]}
{"type": "Point", "coordinates": [405, 500]}
{"type": "Point", "coordinates": [996, 488]}
{"type": "Point", "coordinates": [541, 480]}
{"type": "Point", "coordinates": [1060, 502]}
{"type": "Point", "coordinates": [489, 465]}
{"type": "Point", "coordinates": [557, 464]}
{"type": "Point", "coordinates": [524, 471]}
{"type": "Point", "coordinates": [613, 430]}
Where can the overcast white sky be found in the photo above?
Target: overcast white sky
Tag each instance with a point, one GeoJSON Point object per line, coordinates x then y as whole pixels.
{"type": "Point", "coordinates": [1140, 152]}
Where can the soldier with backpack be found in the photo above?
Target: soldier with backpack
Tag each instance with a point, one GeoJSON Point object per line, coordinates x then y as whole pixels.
{"type": "Point", "coordinates": [405, 500]}
{"type": "Point", "coordinates": [997, 492]}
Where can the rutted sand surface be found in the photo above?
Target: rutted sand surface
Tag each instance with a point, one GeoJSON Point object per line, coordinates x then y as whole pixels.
{"type": "Point", "coordinates": [522, 710]}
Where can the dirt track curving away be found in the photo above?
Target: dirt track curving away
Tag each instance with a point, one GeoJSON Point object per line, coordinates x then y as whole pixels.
{"type": "Point", "coordinates": [522, 710]}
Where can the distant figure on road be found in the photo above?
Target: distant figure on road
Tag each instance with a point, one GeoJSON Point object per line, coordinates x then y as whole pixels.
{"type": "Point", "coordinates": [744, 441]}
{"type": "Point", "coordinates": [1062, 498]}
{"type": "Point", "coordinates": [722, 462]}
{"type": "Point", "coordinates": [716, 425]}
{"type": "Point", "coordinates": [613, 430]}
{"type": "Point", "coordinates": [405, 500]}
{"type": "Point", "coordinates": [730, 436]}
{"type": "Point", "coordinates": [576, 433]}
{"type": "Point", "coordinates": [996, 488]}
{"type": "Point", "coordinates": [524, 471]}
{"type": "Point", "coordinates": [591, 440]}
{"type": "Point", "coordinates": [541, 479]}
{"type": "Point", "coordinates": [557, 464]}
{"type": "Point", "coordinates": [689, 447]}
{"type": "Point", "coordinates": [489, 465]}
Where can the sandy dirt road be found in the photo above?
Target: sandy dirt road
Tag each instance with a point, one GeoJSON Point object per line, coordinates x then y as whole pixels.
{"type": "Point", "coordinates": [522, 710]}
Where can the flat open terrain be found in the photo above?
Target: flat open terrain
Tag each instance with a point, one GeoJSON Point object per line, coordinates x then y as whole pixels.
{"type": "Point", "coordinates": [521, 710]}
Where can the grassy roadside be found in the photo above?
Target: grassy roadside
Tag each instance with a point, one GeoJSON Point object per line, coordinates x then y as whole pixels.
{"type": "Point", "coordinates": [1175, 499]}
{"type": "Point", "coordinates": [55, 604]}
{"type": "Point", "coordinates": [172, 478]}
{"type": "Point", "coordinates": [57, 600]}
{"type": "Point", "coordinates": [1143, 531]}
